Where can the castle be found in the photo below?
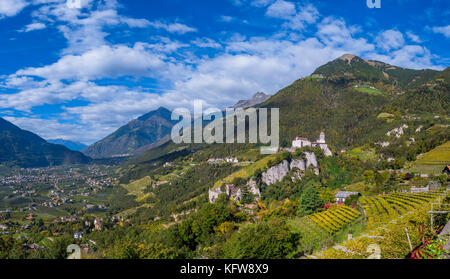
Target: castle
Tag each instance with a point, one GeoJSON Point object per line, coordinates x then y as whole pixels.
{"type": "Point", "coordinates": [300, 142]}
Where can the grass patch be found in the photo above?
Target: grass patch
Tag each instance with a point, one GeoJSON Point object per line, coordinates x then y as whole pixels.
{"type": "Point", "coordinates": [248, 171]}
{"type": "Point", "coordinates": [363, 155]}
{"type": "Point", "coordinates": [138, 187]}
{"type": "Point", "coordinates": [370, 91]}
{"type": "Point", "coordinates": [132, 211]}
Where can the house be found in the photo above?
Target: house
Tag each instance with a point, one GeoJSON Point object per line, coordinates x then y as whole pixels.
{"type": "Point", "coordinates": [98, 224]}
{"type": "Point", "coordinates": [300, 142]}
{"type": "Point", "coordinates": [446, 170]}
{"type": "Point", "coordinates": [232, 160]}
{"type": "Point", "coordinates": [78, 235]}
{"type": "Point", "coordinates": [216, 160]}
{"type": "Point", "coordinates": [409, 176]}
{"type": "Point", "coordinates": [3, 227]}
{"type": "Point", "coordinates": [341, 196]}
{"type": "Point", "coordinates": [30, 217]}
{"type": "Point", "coordinates": [168, 165]}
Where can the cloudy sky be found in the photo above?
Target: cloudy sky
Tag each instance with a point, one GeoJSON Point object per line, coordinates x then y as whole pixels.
{"type": "Point", "coordinates": [80, 73]}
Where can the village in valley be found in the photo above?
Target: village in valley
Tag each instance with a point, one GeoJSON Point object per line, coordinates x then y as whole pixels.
{"type": "Point", "coordinates": [74, 196]}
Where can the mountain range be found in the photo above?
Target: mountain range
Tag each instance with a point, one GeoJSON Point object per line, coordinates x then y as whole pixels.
{"type": "Point", "coordinates": [146, 132]}
{"type": "Point", "coordinates": [72, 145]}
{"type": "Point", "coordinates": [346, 98]}
{"type": "Point", "coordinates": [343, 98]}
{"type": "Point", "coordinates": [26, 149]}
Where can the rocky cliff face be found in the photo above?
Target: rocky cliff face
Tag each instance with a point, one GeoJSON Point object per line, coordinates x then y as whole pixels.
{"type": "Point", "coordinates": [273, 175]}
{"type": "Point", "coordinates": [276, 173]}
{"type": "Point", "coordinates": [311, 159]}
{"type": "Point", "coordinates": [253, 188]}
{"type": "Point", "coordinates": [299, 164]}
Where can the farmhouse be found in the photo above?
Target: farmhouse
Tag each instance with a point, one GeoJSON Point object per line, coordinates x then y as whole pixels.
{"type": "Point", "coordinates": [78, 235]}
{"type": "Point", "coordinates": [341, 196]}
{"type": "Point", "coordinates": [98, 224]}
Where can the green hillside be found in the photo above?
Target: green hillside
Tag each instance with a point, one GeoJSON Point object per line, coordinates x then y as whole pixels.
{"type": "Point", "coordinates": [25, 149]}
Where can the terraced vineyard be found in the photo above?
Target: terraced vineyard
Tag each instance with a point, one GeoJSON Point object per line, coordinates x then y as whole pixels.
{"type": "Point", "coordinates": [390, 238]}
{"type": "Point", "coordinates": [382, 209]}
{"type": "Point", "coordinates": [334, 219]}
{"type": "Point", "coordinates": [312, 236]}
{"type": "Point", "coordinates": [434, 161]}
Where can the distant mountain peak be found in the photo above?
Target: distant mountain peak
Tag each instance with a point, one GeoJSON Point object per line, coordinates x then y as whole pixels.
{"type": "Point", "coordinates": [347, 57]}
{"type": "Point", "coordinates": [161, 111]}
{"type": "Point", "coordinates": [138, 135]}
{"type": "Point", "coordinates": [351, 67]}
{"type": "Point", "coordinates": [258, 98]}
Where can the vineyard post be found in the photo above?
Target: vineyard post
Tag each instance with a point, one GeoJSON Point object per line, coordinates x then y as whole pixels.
{"type": "Point", "coordinates": [409, 240]}
{"type": "Point", "coordinates": [431, 217]}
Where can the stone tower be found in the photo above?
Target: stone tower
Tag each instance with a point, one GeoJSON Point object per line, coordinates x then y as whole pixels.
{"type": "Point", "coordinates": [321, 138]}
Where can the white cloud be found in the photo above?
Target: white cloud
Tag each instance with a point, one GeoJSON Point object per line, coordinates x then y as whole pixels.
{"type": "Point", "coordinates": [33, 27]}
{"type": "Point", "coordinates": [177, 28]}
{"type": "Point", "coordinates": [296, 17]}
{"type": "Point", "coordinates": [254, 3]}
{"type": "Point", "coordinates": [281, 9]}
{"type": "Point", "coordinates": [413, 37]}
{"type": "Point", "coordinates": [225, 18]}
{"type": "Point", "coordinates": [53, 128]}
{"type": "Point", "coordinates": [336, 34]}
{"type": "Point", "coordinates": [11, 7]}
{"type": "Point", "coordinates": [206, 43]}
{"type": "Point", "coordinates": [390, 39]}
{"type": "Point", "coordinates": [444, 30]}
{"type": "Point", "coordinates": [243, 66]}
{"type": "Point", "coordinates": [85, 30]}
{"type": "Point", "coordinates": [106, 62]}
{"type": "Point", "coordinates": [409, 56]}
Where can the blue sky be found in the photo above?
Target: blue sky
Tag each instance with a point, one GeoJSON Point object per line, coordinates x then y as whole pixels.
{"type": "Point", "coordinates": [80, 73]}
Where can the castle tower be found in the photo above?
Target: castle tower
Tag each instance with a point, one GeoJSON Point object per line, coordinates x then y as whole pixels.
{"type": "Point", "coordinates": [321, 138]}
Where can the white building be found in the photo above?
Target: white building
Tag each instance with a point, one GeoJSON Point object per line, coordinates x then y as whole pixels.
{"type": "Point", "coordinates": [300, 142]}
{"type": "Point", "coordinates": [341, 196]}
{"type": "Point", "coordinates": [321, 139]}
{"type": "Point", "coordinates": [232, 160]}
{"type": "Point", "coordinates": [78, 236]}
